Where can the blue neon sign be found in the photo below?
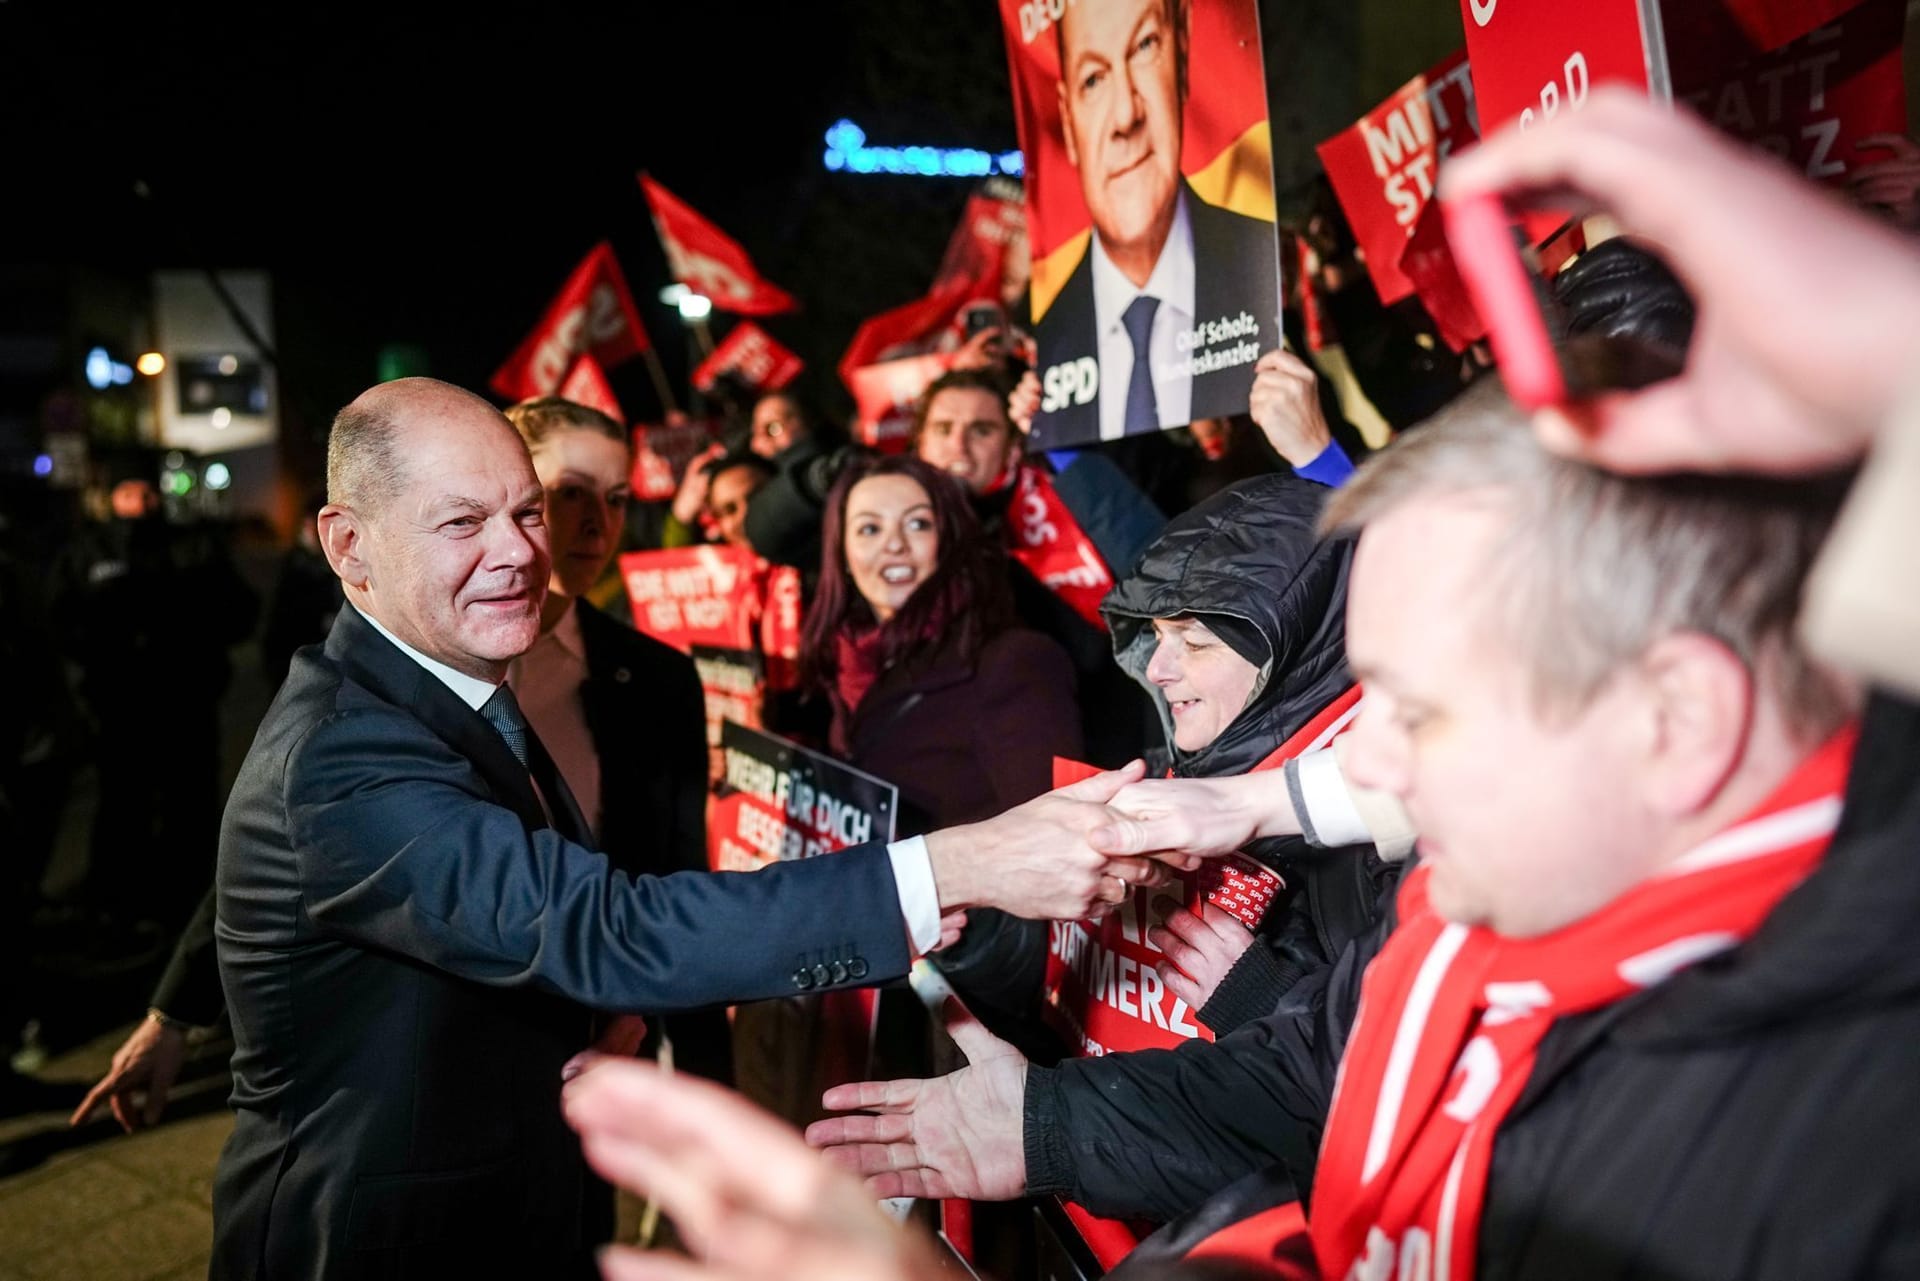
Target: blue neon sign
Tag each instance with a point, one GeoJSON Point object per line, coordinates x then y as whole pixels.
{"type": "Point", "coordinates": [848, 152]}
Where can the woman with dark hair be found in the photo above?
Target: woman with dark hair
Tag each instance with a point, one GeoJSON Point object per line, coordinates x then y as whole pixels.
{"type": "Point", "coordinates": [933, 687]}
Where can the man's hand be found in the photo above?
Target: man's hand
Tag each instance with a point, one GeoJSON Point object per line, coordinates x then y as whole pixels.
{"type": "Point", "coordinates": [147, 1063]}
{"type": "Point", "coordinates": [1023, 402]}
{"type": "Point", "coordinates": [1035, 861]}
{"type": "Point", "coordinates": [620, 1039]}
{"type": "Point", "coordinates": [1203, 817]}
{"type": "Point", "coordinates": [1285, 402]}
{"type": "Point", "coordinates": [958, 1135]}
{"type": "Point", "coordinates": [981, 351]}
{"type": "Point", "coordinates": [1199, 949]}
{"type": "Point", "coordinates": [1892, 184]}
{"type": "Point", "coordinates": [1808, 322]}
{"type": "Point", "coordinates": [746, 1195]}
{"type": "Point", "coordinates": [690, 503]}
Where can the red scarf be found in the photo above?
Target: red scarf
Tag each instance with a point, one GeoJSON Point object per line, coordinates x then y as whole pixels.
{"type": "Point", "coordinates": [1451, 1018]}
{"type": "Point", "coordinates": [1043, 535]}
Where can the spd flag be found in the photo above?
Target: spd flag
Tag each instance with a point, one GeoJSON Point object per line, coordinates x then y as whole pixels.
{"type": "Point", "coordinates": [708, 261]}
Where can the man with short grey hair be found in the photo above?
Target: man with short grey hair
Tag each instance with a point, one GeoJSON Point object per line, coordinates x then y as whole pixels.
{"type": "Point", "coordinates": [1591, 1015]}
{"type": "Point", "coordinates": [410, 916]}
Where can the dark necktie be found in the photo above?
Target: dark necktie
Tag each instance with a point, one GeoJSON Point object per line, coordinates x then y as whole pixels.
{"type": "Point", "coordinates": [503, 713]}
{"type": "Point", "coordinates": [1143, 414]}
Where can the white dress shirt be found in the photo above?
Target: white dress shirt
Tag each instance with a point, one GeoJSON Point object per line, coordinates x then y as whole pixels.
{"type": "Point", "coordinates": [912, 866]}
{"type": "Point", "coordinates": [1172, 283]}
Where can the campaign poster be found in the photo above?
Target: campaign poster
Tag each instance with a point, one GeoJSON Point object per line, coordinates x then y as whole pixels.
{"type": "Point", "coordinates": [755, 359]}
{"type": "Point", "coordinates": [661, 454]}
{"type": "Point", "coordinates": [1150, 210]}
{"type": "Point", "coordinates": [1808, 100]}
{"type": "Point", "coordinates": [736, 614]}
{"type": "Point", "coordinates": [1533, 59]}
{"type": "Point", "coordinates": [777, 801]}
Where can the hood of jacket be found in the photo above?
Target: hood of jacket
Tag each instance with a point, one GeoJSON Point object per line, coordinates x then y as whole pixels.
{"type": "Point", "coordinates": [1248, 553]}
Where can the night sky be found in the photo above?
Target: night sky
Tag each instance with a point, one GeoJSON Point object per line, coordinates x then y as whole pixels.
{"type": "Point", "coordinates": [432, 177]}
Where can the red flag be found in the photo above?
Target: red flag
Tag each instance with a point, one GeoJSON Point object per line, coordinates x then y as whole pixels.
{"type": "Point", "coordinates": [708, 261]}
{"type": "Point", "coordinates": [592, 313]}
{"type": "Point", "coordinates": [587, 385]}
{"type": "Point", "coordinates": [753, 356]}
{"type": "Point", "coordinates": [989, 247]}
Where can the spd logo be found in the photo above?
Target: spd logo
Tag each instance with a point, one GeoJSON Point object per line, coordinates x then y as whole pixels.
{"type": "Point", "coordinates": [1075, 382]}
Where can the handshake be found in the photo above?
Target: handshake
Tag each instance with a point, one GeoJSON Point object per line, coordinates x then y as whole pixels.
{"type": "Point", "coordinates": [1079, 850]}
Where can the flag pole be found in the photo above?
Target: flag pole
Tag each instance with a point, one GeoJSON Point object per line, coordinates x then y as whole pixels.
{"type": "Point", "coordinates": [660, 384]}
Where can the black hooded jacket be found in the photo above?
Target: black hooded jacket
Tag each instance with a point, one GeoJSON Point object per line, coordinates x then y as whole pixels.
{"type": "Point", "coordinates": [1247, 561]}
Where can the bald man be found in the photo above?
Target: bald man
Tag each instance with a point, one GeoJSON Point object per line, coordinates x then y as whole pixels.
{"type": "Point", "coordinates": [411, 924]}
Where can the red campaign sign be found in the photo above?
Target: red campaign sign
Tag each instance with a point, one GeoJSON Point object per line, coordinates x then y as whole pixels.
{"type": "Point", "coordinates": [1043, 536]}
{"type": "Point", "coordinates": [885, 394]}
{"type": "Point", "coordinates": [1533, 59]}
{"type": "Point", "coordinates": [1807, 101]}
{"type": "Point", "coordinates": [587, 385]}
{"type": "Point", "coordinates": [720, 597]}
{"type": "Point", "coordinates": [1383, 168]}
{"type": "Point", "coordinates": [988, 250]}
{"type": "Point", "coordinates": [593, 314]}
{"type": "Point", "coordinates": [752, 355]}
{"type": "Point", "coordinates": [661, 455]}
{"type": "Point", "coordinates": [733, 683]}
{"type": "Point", "coordinates": [708, 261]}
{"type": "Point", "coordinates": [1755, 25]}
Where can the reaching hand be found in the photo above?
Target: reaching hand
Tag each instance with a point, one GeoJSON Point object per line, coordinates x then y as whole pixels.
{"type": "Point", "coordinates": [1200, 949]}
{"type": "Point", "coordinates": [146, 1064]}
{"type": "Point", "coordinates": [691, 502]}
{"type": "Point", "coordinates": [1201, 817]}
{"type": "Point", "coordinates": [1034, 861]}
{"type": "Point", "coordinates": [981, 351]}
{"type": "Point", "coordinates": [1285, 403]}
{"type": "Point", "coordinates": [1808, 313]}
{"type": "Point", "coordinates": [958, 1135]}
{"type": "Point", "coordinates": [750, 1199]}
{"type": "Point", "coordinates": [1892, 184]}
{"type": "Point", "coordinates": [1024, 402]}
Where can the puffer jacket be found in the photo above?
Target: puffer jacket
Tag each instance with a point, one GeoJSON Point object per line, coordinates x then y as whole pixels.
{"type": "Point", "coordinates": [1250, 553]}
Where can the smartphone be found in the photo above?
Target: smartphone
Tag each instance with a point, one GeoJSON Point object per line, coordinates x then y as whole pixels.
{"type": "Point", "coordinates": [1540, 364]}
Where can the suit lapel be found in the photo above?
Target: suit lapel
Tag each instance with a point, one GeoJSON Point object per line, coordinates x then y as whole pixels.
{"type": "Point", "coordinates": [376, 663]}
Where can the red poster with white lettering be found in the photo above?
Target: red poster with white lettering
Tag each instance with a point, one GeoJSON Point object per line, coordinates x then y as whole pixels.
{"type": "Point", "coordinates": [1383, 168]}
{"type": "Point", "coordinates": [1807, 101]}
{"type": "Point", "coordinates": [720, 599]}
{"type": "Point", "coordinates": [1533, 59]}
{"type": "Point", "coordinates": [1043, 536]}
{"type": "Point", "coordinates": [885, 395]}
{"type": "Point", "coordinates": [708, 261]}
{"type": "Point", "coordinates": [592, 314]}
{"type": "Point", "coordinates": [753, 356]}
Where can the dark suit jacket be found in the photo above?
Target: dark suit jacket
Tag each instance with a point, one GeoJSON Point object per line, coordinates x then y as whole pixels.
{"type": "Point", "coordinates": [1224, 244]}
{"type": "Point", "coordinates": [405, 947]}
{"type": "Point", "coordinates": [648, 721]}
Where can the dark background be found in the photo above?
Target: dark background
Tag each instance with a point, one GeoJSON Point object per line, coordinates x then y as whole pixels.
{"type": "Point", "coordinates": [431, 175]}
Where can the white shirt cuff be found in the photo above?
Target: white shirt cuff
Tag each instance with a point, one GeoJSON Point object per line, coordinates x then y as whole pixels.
{"type": "Point", "coordinates": [1330, 819]}
{"type": "Point", "coordinates": [919, 899]}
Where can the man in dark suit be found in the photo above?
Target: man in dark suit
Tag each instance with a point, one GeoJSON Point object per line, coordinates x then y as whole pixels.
{"type": "Point", "coordinates": [409, 922]}
{"type": "Point", "coordinates": [1174, 298]}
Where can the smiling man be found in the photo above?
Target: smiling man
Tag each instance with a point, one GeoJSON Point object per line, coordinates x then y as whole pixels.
{"type": "Point", "coordinates": [1162, 263]}
{"type": "Point", "coordinates": [411, 923]}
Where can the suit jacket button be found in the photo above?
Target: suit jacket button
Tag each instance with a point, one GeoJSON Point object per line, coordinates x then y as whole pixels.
{"type": "Point", "coordinates": [839, 971]}
{"type": "Point", "coordinates": [822, 976]}
{"type": "Point", "coordinates": [621, 676]}
{"type": "Point", "coordinates": [857, 968]}
{"type": "Point", "coordinates": [803, 978]}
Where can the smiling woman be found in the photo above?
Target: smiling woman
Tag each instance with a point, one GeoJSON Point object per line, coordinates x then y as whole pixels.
{"type": "Point", "coordinates": [933, 687]}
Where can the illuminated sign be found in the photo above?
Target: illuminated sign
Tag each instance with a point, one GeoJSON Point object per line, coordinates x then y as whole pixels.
{"type": "Point", "coordinates": [848, 152]}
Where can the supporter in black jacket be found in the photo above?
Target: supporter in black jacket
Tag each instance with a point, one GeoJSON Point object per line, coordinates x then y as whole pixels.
{"type": "Point", "coordinates": [1247, 566]}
